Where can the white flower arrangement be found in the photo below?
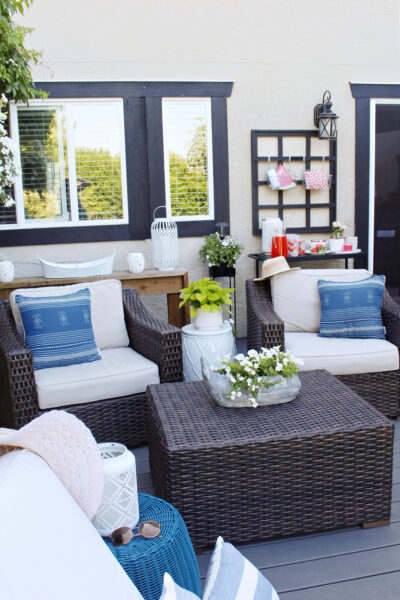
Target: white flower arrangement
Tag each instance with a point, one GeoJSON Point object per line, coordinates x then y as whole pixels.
{"type": "Point", "coordinates": [338, 230]}
{"type": "Point", "coordinates": [215, 251]}
{"type": "Point", "coordinates": [258, 370]}
{"type": "Point", "coordinates": [8, 169]}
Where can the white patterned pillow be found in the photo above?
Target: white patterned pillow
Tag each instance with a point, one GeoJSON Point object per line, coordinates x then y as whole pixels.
{"type": "Point", "coordinates": [172, 591]}
{"type": "Point", "coordinates": [231, 576]}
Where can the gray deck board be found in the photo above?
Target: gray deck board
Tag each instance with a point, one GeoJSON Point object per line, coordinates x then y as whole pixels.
{"type": "Point", "coordinates": [350, 564]}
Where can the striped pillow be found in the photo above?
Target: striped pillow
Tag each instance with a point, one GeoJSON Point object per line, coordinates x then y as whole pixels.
{"type": "Point", "coordinates": [232, 577]}
{"type": "Point", "coordinates": [352, 309]}
{"type": "Point", "coordinates": [58, 329]}
{"type": "Point", "coordinates": [173, 591]}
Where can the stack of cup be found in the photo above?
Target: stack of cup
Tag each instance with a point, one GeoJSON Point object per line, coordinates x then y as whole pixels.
{"type": "Point", "coordinates": [350, 244]}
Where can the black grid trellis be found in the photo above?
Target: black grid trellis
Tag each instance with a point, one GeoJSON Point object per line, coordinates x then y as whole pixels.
{"type": "Point", "coordinates": [330, 159]}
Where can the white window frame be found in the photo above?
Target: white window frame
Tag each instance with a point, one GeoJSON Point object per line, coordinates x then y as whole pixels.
{"type": "Point", "coordinates": [22, 222]}
{"type": "Point", "coordinates": [210, 172]}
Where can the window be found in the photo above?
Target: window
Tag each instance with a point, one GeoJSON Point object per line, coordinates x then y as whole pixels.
{"type": "Point", "coordinates": [97, 158]}
{"type": "Point", "coordinates": [188, 160]}
{"type": "Point", "coordinates": [72, 163]}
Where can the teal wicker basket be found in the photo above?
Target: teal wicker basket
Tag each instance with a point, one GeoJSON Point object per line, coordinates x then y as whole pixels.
{"type": "Point", "coordinates": [146, 560]}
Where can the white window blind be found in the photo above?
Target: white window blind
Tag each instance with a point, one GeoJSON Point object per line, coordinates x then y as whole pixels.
{"type": "Point", "coordinates": [44, 165]}
{"type": "Point", "coordinates": [72, 157]}
{"type": "Point", "coordinates": [187, 137]}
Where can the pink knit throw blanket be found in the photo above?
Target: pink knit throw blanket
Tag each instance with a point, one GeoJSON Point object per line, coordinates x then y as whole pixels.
{"type": "Point", "coordinates": [69, 448]}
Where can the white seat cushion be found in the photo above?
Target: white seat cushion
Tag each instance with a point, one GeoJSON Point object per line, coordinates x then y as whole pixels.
{"type": "Point", "coordinates": [295, 295]}
{"type": "Point", "coordinates": [342, 356]}
{"type": "Point", "coordinates": [66, 557]}
{"type": "Point", "coordinates": [106, 308]}
{"type": "Point", "coordinates": [120, 372]}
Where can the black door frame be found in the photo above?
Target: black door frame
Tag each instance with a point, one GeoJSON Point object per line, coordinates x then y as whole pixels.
{"type": "Point", "coordinates": [363, 93]}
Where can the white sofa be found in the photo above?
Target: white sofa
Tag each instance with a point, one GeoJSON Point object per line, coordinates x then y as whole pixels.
{"type": "Point", "coordinates": [48, 547]}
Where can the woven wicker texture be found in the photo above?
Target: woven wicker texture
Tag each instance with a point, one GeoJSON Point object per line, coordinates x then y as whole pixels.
{"type": "Point", "coordinates": [266, 329]}
{"type": "Point", "coordinates": [146, 560]}
{"type": "Point", "coordinates": [320, 462]}
{"type": "Point", "coordinates": [118, 419]}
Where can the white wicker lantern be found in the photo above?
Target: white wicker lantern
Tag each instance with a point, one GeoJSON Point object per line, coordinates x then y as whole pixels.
{"type": "Point", "coordinates": [164, 239]}
{"type": "Point", "coordinates": [120, 506]}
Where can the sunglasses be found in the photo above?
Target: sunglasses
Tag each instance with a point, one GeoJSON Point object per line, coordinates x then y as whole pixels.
{"type": "Point", "coordinates": [147, 529]}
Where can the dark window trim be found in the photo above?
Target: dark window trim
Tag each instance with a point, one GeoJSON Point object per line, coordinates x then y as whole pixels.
{"type": "Point", "coordinates": [144, 159]}
{"type": "Point", "coordinates": [135, 89]}
{"type": "Point", "coordinates": [363, 92]}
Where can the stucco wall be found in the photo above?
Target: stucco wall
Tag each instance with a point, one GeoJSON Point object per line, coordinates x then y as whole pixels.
{"type": "Point", "coordinates": [281, 57]}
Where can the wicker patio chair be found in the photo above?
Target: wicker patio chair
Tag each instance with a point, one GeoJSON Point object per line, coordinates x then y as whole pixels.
{"type": "Point", "coordinates": [266, 329]}
{"type": "Point", "coordinates": [120, 419]}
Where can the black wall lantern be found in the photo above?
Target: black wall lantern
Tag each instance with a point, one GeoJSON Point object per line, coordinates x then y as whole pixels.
{"type": "Point", "coordinates": [325, 119]}
{"type": "Point", "coordinates": [222, 229]}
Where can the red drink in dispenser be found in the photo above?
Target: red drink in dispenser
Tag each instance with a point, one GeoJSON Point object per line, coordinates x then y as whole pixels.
{"type": "Point", "coordinates": [284, 246]}
{"type": "Point", "coordinates": [279, 246]}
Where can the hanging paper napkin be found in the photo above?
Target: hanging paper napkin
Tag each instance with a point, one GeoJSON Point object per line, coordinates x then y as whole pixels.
{"type": "Point", "coordinates": [273, 179]}
{"type": "Point", "coordinates": [317, 180]}
{"type": "Point", "coordinates": [286, 182]}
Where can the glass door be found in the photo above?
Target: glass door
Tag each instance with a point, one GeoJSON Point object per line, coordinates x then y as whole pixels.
{"type": "Point", "coordinates": [384, 235]}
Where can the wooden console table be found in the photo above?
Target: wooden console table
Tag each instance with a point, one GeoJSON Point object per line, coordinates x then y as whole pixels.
{"type": "Point", "coordinates": [151, 281]}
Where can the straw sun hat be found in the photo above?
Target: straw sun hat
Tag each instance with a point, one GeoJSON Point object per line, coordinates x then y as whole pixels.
{"type": "Point", "coordinates": [274, 266]}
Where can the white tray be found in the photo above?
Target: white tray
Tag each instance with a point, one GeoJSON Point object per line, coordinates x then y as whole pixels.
{"type": "Point", "coordinates": [349, 251]}
{"type": "Point", "coordinates": [101, 266]}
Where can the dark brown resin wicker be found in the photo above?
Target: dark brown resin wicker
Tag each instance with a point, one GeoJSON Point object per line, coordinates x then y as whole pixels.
{"type": "Point", "coordinates": [115, 419]}
{"type": "Point", "coordinates": [320, 462]}
{"type": "Point", "coordinates": [265, 328]}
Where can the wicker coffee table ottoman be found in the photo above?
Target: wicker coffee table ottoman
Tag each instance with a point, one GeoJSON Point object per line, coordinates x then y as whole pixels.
{"type": "Point", "coordinates": [320, 462]}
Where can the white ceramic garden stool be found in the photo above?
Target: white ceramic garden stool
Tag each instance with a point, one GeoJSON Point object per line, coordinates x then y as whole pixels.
{"type": "Point", "coordinates": [212, 344]}
{"type": "Point", "coordinates": [120, 506]}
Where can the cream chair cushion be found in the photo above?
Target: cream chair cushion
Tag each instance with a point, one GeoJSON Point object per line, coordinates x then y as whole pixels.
{"type": "Point", "coordinates": [295, 295]}
{"type": "Point", "coordinates": [120, 372]}
{"type": "Point", "coordinates": [43, 528]}
{"type": "Point", "coordinates": [106, 306]}
{"type": "Point", "coordinates": [342, 356]}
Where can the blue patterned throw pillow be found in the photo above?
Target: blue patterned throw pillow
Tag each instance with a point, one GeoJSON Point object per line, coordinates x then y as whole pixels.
{"type": "Point", "coordinates": [352, 309]}
{"type": "Point", "coordinates": [231, 575]}
{"type": "Point", "coordinates": [58, 329]}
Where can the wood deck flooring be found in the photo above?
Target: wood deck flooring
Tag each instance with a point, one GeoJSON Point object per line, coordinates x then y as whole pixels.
{"type": "Point", "coordinates": [351, 564]}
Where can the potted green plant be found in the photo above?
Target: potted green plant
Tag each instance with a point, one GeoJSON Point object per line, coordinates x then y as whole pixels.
{"type": "Point", "coordinates": [206, 298]}
{"type": "Point", "coordinates": [220, 254]}
{"type": "Point", "coordinates": [337, 237]}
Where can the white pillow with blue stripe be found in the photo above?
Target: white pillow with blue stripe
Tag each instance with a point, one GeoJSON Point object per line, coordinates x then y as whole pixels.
{"type": "Point", "coordinates": [173, 591]}
{"type": "Point", "coordinates": [232, 577]}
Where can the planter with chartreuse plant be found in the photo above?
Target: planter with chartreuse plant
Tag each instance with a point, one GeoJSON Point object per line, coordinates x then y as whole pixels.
{"type": "Point", "coordinates": [206, 298]}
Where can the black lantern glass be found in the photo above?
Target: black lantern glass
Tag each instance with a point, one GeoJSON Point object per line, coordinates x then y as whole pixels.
{"type": "Point", "coordinates": [222, 229]}
{"type": "Point", "coordinates": [325, 118]}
